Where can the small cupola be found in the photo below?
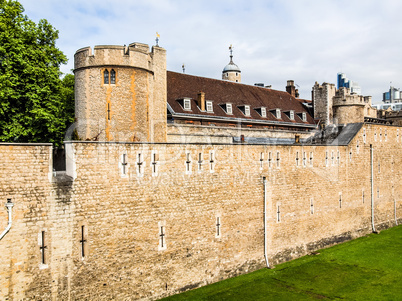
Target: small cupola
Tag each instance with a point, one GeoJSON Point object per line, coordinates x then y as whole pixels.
{"type": "Point", "coordinates": [231, 72]}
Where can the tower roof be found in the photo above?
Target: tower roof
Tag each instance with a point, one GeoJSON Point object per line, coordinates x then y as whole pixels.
{"type": "Point", "coordinates": [231, 66]}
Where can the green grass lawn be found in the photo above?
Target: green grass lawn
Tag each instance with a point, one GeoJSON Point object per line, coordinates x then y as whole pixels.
{"type": "Point", "coordinates": [368, 268]}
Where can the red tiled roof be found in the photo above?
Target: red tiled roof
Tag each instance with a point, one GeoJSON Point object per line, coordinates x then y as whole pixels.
{"type": "Point", "coordinates": [181, 86]}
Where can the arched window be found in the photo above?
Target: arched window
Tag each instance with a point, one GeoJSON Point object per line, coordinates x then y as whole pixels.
{"type": "Point", "coordinates": [113, 77]}
{"type": "Point", "coordinates": [106, 77]}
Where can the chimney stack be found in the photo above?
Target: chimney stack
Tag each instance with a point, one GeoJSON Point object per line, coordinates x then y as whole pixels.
{"type": "Point", "coordinates": [201, 100]}
{"type": "Point", "coordinates": [291, 89]}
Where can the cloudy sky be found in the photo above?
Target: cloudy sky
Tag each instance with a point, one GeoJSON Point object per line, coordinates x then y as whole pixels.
{"type": "Point", "coordinates": [274, 40]}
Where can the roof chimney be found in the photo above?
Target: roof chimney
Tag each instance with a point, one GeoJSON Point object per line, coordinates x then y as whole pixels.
{"type": "Point", "coordinates": [201, 100]}
{"type": "Point", "coordinates": [290, 88]}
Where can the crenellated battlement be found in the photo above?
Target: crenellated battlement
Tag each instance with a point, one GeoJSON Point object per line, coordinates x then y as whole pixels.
{"type": "Point", "coordinates": [343, 97]}
{"type": "Point", "coordinates": [135, 55]}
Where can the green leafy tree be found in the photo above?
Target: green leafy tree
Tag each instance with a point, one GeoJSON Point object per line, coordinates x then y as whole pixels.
{"type": "Point", "coordinates": [33, 98]}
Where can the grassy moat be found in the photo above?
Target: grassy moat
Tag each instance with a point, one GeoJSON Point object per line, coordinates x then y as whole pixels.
{"type": "Point", "coordinates": [368, 268]}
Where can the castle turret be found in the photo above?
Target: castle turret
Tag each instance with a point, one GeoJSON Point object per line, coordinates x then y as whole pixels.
{"type": "Point", "coordinates": [350, 108]}
{"type": "Point", "coordinates": [231, 71]}
{"type": "Point", "coordinates": [120, 93]}
{"type": "Point", "coordinates": [322, 96]}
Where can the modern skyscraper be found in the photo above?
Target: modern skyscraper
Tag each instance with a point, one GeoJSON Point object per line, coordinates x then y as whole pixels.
{"type": "Point", "coordinates": [343, 81]}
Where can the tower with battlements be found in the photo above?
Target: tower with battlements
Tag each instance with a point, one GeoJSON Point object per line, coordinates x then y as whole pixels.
{"type": "Point", "coordinates": [120, 93]}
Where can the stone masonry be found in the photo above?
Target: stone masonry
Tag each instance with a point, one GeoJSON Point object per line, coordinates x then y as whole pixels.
{"type": "Point", "coordinates": [145, 220]}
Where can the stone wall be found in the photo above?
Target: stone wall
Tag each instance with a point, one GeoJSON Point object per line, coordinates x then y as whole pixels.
{"type": "Point", "coordinates": [153, 221]}
{"type": "Point", "coordinates": [183, 133]}
{"type": "Point", "coordinates": [131, 108]}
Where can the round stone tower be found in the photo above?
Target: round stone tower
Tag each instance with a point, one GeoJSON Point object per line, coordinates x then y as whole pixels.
{"type": "Point", "coordinates": [231, 71]}
{"type": "Point", "coordinates": [349, 108]}
{"type": "Point", "coordinates": [120, 93]}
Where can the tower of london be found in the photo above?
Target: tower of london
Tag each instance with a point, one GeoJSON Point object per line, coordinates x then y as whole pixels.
{"type": "Point", "coordinates": [174, 181]}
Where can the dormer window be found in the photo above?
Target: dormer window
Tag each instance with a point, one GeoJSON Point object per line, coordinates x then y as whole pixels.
{"type": "Point", "coordinates": [229, 108]}
{"type": "Point", "coordinates": [304, 117]}
{"type": "Point", "coordinates": [263, 112]}
{"type": "Point", "coordinates": [292, 115]}
{"type": "Point", "coordinates": [247, 110]}
{"type": "Point", "coordinates": [278, 113]}
{"type": "Point", "coordinates": [187, 104]}
{"type": "Point", "coordinates": [209, 106]}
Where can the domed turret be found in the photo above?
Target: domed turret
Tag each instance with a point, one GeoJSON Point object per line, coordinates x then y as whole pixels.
{"type": "Point", "coordinates": [231, 71]}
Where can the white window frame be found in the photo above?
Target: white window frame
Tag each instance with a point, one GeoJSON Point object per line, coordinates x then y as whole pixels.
{"type": "Point", "coordinates": [187, 104]}
{"type": "Point", "coordinates": [229, 109]}
{"type": "Point", "coordinates": [263, 112]}
{"type": "Point", "coordinates": [292, 115]}
{"type": "Point", "coordinates": [278, 114]}
{"type": "Point", "coordinates": [209, 106]}
{"type": "Point", "coordinates": [247, 110]}
{"type": "Point", "coordinates": [304, 116]}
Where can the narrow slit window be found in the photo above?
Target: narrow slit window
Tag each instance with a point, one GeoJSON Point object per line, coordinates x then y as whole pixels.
{"type": "Point", "coordinates": [311, 159]}
{"type": "Point", "coordinates": [154, 163]}
{"type": "Point", "coordinates": [338, 158]}
{"type": "Point", "coordinates": [326, 158]}
{"type": "Point", "coordinates": [162, 240]}
{"type": "Point", "coordinates": [113, 77]}
{"type": "Point", "coordinates": [332, 158]}
{"type": "Point", "coordinates": [278, 213]}
{"type": "Point", "coordinates": [188, 162]}
{"type": "Point", "coordinates": [199, 161]}
{"type": "Point", "coordinates": [270, 159]}
{"type": "Point", "coordinates": [211, 161]}
{"type": "Point", "coordinates": [108, 111]}
{"type": "Point", "coordinates": [278, 160]}
{"type": "Point", "coordinates": [340, 200]}
{"type": "Point", "coordinates": [261, 160]}
{"type": "Point", "coordinates": [83, 241]}
{"type": "Point", "coordinates": [363, 196]}
{"type": "Point", "coordinates": [106, 77]}
{"type": "Point", "coordinates": [311, 206]}
{"type": "Point", "coordinates": [124, 164]}
{"type": "Point", "coordinates": [364, 136]}
{"type": "Point", "coordinates": [43, 247]}
{"type": "Point", "coordinates": [297, 158]}
{"type": "Point", "coordinates": [218, 226]}
{"type": "Point", "coordinates": [139, 164]}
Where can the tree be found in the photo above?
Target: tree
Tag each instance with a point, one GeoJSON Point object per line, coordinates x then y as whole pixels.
{"type": "Point", "coordinates": [32, 107]}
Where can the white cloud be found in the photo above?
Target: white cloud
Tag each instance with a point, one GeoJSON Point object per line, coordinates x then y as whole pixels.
{"type": "Point", "coordinates": [273, 40]}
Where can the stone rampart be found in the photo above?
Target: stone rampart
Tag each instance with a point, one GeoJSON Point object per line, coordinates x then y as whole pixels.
{"type": "Point", "coordinates": [142, 220]}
